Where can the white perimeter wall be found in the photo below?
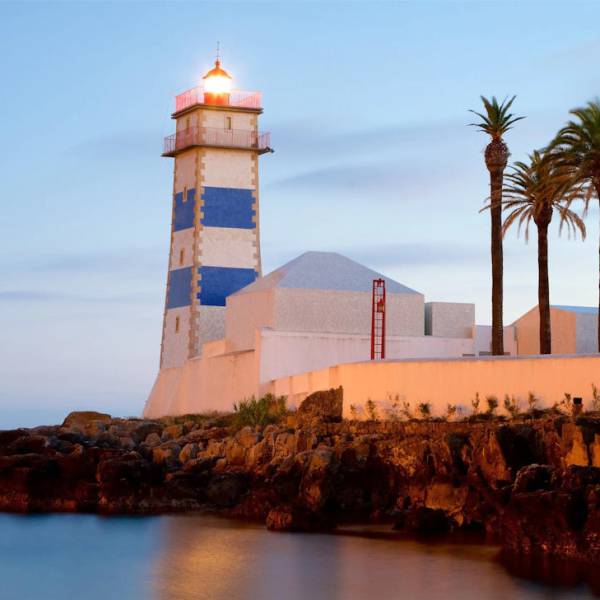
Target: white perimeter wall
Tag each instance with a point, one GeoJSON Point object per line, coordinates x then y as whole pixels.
{"type": "Point", "coordinates": [285, 353]}
{"type": "Point", "coordinates": [203, 385]}
{"type": "Point", "coordinates": [440, 382]}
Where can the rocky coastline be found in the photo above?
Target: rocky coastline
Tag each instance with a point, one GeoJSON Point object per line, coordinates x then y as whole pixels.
{"type": "Point", "coordinates": [531, 483]}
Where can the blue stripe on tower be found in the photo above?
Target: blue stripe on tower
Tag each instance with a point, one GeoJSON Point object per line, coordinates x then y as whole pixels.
{"type": "Point", "coordinates": [228, 207]}
{"type": "Point", "coordinates": [219, 282]}
{"type": "Point", "coordinates": [180, 288]}
{"type": "Point", "coordinates": [183, 216]}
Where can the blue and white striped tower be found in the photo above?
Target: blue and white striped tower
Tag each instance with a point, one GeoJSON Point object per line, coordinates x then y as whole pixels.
{"type": "Point", "coordinates": [215, 246]}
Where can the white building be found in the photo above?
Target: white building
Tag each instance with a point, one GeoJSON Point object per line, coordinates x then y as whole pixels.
{"type": "Point", "coordinates": [311, 313]}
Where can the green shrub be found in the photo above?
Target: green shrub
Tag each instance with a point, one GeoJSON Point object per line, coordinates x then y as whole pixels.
{"type": "Point", "coordinates": [532, 401]}
{"type": "Point", "coordinates": [451, 410]}
{"type": "Point", "coordinates": [371, 410]}
{"type": "Point", "coordinates": [263, 411]}
{"type": "Point", "coordinates": [394, 411]}
{"type": "Point", "coordinates": [492, 403]}
{"type": "Point", "coordinates": [406, 410]}
{"type": "Point", "coordinates": [566, 404]}
{"type": "Point", "coordinates": [425, 410]}
{"type": "Point", "coordinates": [511, 405]}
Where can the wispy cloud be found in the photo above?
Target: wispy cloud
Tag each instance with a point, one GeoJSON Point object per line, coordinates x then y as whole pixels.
{"type": "Point", "coordinates": [356, 177]}
{"type": "Point", "coordinates": [123, 144]}
{"type": "Point", "coordinates": [417, 254]}
{"type": "Point", "coordinates": [122, 261]}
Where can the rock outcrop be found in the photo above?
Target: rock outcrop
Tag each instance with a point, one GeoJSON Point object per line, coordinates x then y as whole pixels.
{"type": "Point", "coordinates": [532, 484]}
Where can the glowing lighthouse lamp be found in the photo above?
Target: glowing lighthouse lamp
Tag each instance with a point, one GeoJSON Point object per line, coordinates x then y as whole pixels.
{"type": "Point", "coordinates": [217, 85]}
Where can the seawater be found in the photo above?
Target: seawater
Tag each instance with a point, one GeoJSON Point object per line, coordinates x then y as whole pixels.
{"type": "Point", "coordinates": [182, 557]}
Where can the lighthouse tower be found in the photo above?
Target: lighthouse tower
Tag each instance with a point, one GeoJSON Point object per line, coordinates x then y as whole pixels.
{"type": "Point", "coordinates": [215, 246]}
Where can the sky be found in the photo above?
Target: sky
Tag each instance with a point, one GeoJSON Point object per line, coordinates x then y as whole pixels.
{"type": "Point", "coordinates": [367, 105]}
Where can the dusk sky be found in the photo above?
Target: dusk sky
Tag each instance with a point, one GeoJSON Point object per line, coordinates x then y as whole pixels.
{"type": "Point", "coordinates": [367, 105]}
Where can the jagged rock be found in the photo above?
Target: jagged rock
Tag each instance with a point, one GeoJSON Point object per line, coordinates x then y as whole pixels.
{"type": "Point", "coordinates": [153, 440]}
{"type": "Point", "coordinates": [171, 433]}
{"type": "Point", "coordinates": [575, 446]}
{"type": "Point", "coordinates": [188, 452]}
{"type": "Point", "coordinates": [80, 419]}
{"type": "Point", "coordinates": [225, 490]}
{"type": "Point", "coordinates": [533, 478]}
{"type": "Point", "coordinates": [448, 498]}
{"type": "Point", "coordinates": [166, 454]}
{"type": "Point", "coordinates": [424, 521]}
{"type": "Point", "coordinates": [10, 435]}
{"type": "Point", "coordinates": [27, 444]}
{"type": "Point", "coordinates": [325, 406]}
{"type": "Point", "coordinates": [561, 519]}
{"type": "Point", "coordinates": [247, 437]}
{"type": "Point", "coordinates": [293, 518]}
{"type": "Point", "coordinates": [143, 430]}
{"type": "Point", "coordinates": [283, 446]}
{"type": "Point", "coordinates": [199, 465]}
{"type": "Point", "coordinates": [491, 461]}
{"type": "Point", "coordinates": [317, 481]}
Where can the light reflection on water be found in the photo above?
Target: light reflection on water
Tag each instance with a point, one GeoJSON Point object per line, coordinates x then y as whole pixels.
{"type": "Point", "coordinates": [208, 558]}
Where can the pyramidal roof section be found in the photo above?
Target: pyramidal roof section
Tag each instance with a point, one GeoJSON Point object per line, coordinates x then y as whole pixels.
{"type": "Point", "coordinates": [324, 271]}
{"type": "Point", "coordinates": [585, 310]}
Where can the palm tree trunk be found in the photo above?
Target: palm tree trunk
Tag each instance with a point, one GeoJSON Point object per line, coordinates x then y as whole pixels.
{"type": "Point", "coordinates": [598, 194]}
{"type": "Point", "coordinates": [497, 262]}
{"type": "Point", "coordinates": [544, 291]}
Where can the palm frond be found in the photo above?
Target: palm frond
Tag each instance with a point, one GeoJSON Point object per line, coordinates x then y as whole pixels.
{"type": "Point", "coordinates": [496, 120]}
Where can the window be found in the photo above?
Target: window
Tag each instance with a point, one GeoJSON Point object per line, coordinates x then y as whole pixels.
{"type": "Point", "coordinates": [181, 256]}
{"type": "Point", "coordinates": [176, 324]}
{"type": "Point", "coordinates": [227, 122]}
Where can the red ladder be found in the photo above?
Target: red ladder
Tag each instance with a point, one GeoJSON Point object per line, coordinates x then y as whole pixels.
{"type": "Point", "coordinates": [378, 320]}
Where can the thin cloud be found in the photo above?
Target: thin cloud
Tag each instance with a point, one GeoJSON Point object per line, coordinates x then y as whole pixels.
{"type": "Point", "coordinates": [125, 144]}
{"type": "Point", "coordinates": [45, 296]}
{"type": "Point", "coordinates": [364, 177]}
{"type": "Point", "coordinates": [126, 260]}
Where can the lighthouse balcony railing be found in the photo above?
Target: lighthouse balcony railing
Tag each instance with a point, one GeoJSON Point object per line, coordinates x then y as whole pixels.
{"type": "Point", "coordinates": [235, 98]}
{"type": "Point", "coordinates": [212, 136]}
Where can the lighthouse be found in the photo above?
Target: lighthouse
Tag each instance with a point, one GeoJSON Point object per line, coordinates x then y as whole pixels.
{"type": "Point", "coordinates": [215, 244]}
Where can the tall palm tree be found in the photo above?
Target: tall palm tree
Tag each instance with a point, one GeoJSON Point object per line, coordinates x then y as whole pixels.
{"type": "Point", "coordinates": [532, 193]}
{"type": "Point", "coordinates": [577, 147]}
{"type": "Point", "coordinates": [496, 122]}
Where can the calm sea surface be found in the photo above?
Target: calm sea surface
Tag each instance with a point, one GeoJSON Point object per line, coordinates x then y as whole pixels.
{"type": "Point", "coordinates": [201, 557]}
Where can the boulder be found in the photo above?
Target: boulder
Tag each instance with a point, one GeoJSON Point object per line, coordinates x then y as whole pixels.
{"type": "Point", "coordinates": [295, 518]}
{"type": "Point", "coordinates": [424, 521]}
{"type": "Point", "coordinates": [142, 431]}
{"type": "Point", "coordinates": [533, 478]}
{"type": "Point", "coordinates": [326, 406]}
{"type": "Point", "coordinates": [188, 452]}
{"type": "Point", "coordinates": [153, 440]}
{"type": "Point", "coordinates": [172, 432]}
{"type": "Point", "coordinates": [10, 435]}
{"type": "Point", "coordinates": [225, 490]}
{"type": "Point", "coordinates": [80, 419]}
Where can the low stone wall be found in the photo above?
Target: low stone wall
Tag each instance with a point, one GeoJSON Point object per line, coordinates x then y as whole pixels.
{"type": "Point", "coordinates": [448, 381]}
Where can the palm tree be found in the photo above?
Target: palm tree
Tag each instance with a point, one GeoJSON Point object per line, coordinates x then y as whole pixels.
{"type": "Point", "coordinates": [577, 147]}
{"type": "Point", "coordinates": [496, 122]}
{"type": "Point", "coordinates": [532, 193]}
